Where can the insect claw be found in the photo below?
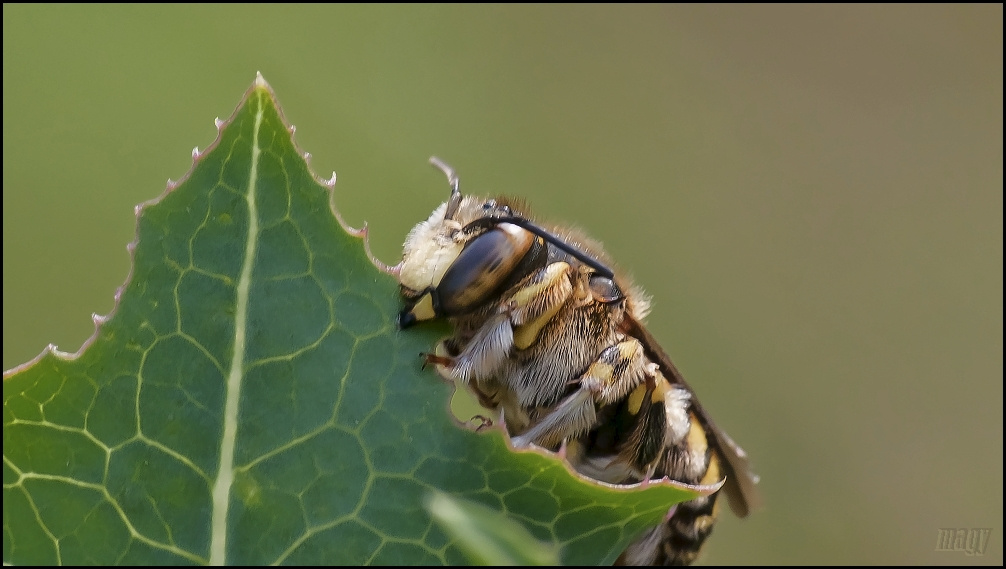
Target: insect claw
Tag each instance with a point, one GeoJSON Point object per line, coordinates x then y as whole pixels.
{"type": "Point", "coordinates": [484, 422]}
{"type": "Point", "coordinates": [436, 360]}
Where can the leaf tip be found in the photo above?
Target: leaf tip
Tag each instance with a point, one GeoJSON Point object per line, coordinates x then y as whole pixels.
{"type": "Point", "coordinates": [260, 82]}
{"type": "Point", "coordinates": [261, 85]}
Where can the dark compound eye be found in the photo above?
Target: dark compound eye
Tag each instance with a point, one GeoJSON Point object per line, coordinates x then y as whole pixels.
{"type": "Point", "coordinates": [484, 267]}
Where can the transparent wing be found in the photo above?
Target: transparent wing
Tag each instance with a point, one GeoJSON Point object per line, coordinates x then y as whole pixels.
{"type": "Point", "coordinates": [742, 492]}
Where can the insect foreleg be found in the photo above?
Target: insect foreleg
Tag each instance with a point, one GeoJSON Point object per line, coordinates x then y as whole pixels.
{"type": "Point", "coordinates": [533, 305]}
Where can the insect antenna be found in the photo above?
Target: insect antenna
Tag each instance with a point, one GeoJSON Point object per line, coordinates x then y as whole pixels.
{"type": "Point", "coordinates": [452, 179]}
{"type": "Point", "coordinates": [574, 252]}
{"type": "Point", "coordinates": [455, 201]}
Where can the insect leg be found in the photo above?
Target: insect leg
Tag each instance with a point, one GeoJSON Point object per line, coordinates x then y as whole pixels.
{"type": "Point", "coordinates": [533, 305]}
{"type": "Point", "coordinates": [486, 351]}
{"type": "Point", "coordinates": [516, 324]}
{"type": "Point", "coordinates": [616, 372]}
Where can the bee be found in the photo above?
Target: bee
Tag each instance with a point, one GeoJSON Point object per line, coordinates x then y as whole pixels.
{"type": "Point", "coordinates": [547, 336]}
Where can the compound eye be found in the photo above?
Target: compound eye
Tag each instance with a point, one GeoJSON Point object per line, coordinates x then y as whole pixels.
{"type": "Point", "coordinates": [604, 289]}
{"type": "Point", "coordinates": [484, 266]}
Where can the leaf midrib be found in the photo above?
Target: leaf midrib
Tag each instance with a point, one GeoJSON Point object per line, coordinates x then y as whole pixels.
{"type": "Point", "coordinates": [225, 473]}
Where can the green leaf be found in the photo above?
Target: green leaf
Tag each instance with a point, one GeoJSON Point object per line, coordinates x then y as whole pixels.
{"type": "Point", "coordinates": [250, 399]}
{"type": "Point", "coordinates": [487, 536]}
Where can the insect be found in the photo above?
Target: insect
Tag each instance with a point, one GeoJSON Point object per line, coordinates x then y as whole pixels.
{"type": "Point", "coordinates": [546, 335]}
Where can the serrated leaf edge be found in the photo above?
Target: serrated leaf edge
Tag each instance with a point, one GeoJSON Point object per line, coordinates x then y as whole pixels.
{"type": "Point", "coordinates": [197, 155]}
{"type": "Point", "coordinates": [222, 485]}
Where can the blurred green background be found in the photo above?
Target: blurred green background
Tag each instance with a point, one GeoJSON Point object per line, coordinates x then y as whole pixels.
{"type": "Point", "coordinates": [812, 196]}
